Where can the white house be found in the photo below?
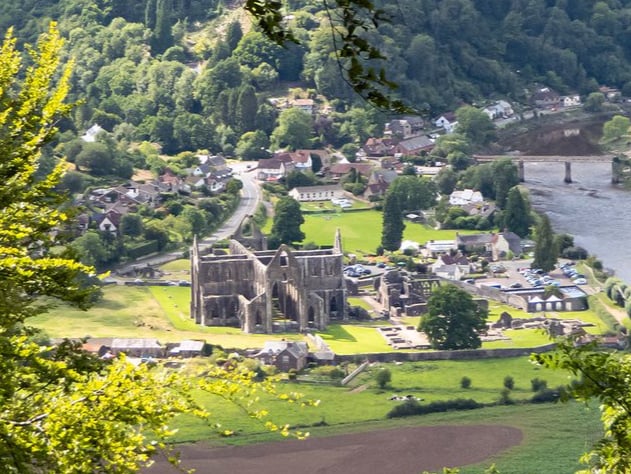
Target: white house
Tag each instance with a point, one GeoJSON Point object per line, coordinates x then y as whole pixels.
{"type": "Point", "coordinates": [92, 132]}
{"type": "Point", "coordinates": [573, 100]}
{"type": "Point", "coordinates": [467, 196]}
{"type": "Point", "coordinates": [447, 121]}
{"type": "Point", "coordinates": [500, 109]}
{"type": "Point", "coordinates": [317, 193]}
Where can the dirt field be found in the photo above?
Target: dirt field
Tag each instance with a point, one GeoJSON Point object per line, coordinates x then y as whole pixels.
{"type": "Point", "coordinates": [400, 451]}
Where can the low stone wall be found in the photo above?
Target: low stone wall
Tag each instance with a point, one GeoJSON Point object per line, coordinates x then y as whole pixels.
{"type": "Point", "coordinates": [446, 355]}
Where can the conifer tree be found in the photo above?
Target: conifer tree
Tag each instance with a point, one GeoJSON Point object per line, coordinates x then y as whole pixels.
{"type": "Point", "coordinates": [545, 247]}
{"type": "Point", "coordinates": [393, 226]}
{"type": "Point", "coordinates": [516, 215]}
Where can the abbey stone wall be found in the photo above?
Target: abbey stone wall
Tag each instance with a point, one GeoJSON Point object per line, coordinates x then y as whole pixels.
{"type": "Point", "coordinates": [265, 291]}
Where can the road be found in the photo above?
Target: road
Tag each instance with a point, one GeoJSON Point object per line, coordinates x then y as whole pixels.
{"type": "Point", "coordinates": [250, 199]}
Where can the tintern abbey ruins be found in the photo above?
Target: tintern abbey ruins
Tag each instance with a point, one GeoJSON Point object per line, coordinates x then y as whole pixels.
{"type": "Point", "coordinates": [265, 291]}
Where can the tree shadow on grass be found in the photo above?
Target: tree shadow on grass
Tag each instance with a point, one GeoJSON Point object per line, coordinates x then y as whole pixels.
{"type": "Point", "coordinates": [338, 333]}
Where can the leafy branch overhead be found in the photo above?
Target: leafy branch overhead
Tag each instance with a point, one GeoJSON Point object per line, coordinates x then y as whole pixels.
{"type": "Point", "coordinates": [360, 62]}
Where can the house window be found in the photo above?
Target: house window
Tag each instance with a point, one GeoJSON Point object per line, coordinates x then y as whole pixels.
{"type": "Point", "coordinates": [285, 359]}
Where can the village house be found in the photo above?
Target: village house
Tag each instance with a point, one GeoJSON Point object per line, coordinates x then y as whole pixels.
{"type": "Point", "coordinates": [464, 197]}
{"type": "Point", "coordinates": [378, 183]}
{"type": "Point", "coordinates": [284, 355]}
{"type": "Point", "coordinates": [436, 247]}
{"type": "Point", "coordinates": [306, 105]}
{"type": "Point", "coordinates": [188, 348]}
{"type": "Point", "coordinates": [546, 98]}
{"type": "Point", "coordinates": [415, 146]}
{"type": "Point", "coordinates": [398, 128]}
{"type": "Point", "coordinates": [377, 147]}
{"type": "Point", "coordinates": [451, 267]}
{"type": "Point", "coordinates": [447, 121]}
{"type": "Point", "coordinates": [473, 243]}
{"type": "Point", "coordinates": [498, 110]}
{"type": "Point", "coordinates": [573, 100]}
{"type": "Point", "coordinates": [610, 93]}
{"type": "Point", "coordinates": [338, 170]}
{"type": "Point", "coordinates": [273, 169]}
{"type": "Point", "coordinates": [504, 244]}
{"type": "Point", "coordinates": [317, 193]}
{"type": "Point", "coordinates": [92, 133]}
{"type": "Point", "coordinates": [107, 222]}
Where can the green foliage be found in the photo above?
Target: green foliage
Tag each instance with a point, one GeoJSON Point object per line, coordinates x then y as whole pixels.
{"type": "Point", "coordinates": [545, 248]}
{"type": "Point", "coordinates": [412, 407]}
{"type": "Point", "coordinates": [287, 221]}
{"type": "Point", "coordinates": [602, 376]}
{"type": "Point", "coordinates": [453, 319]}
{"type": "Point", "coordinates": [475, 125]}
{"type": "Point", "coordinates": [516, 215]}
{"type": "Point", "coordinates": [393, 226]}
{"type": "Point", "coordinates": [383, 377]}
{"type": "Point", "coordinates": [509, 382]}
{"type": "Point", "coordinates": [465, 382]}
{"type": "Point", "coordinates": [538, 384]}
{"type": "Point", "coordinates": [616, 128]}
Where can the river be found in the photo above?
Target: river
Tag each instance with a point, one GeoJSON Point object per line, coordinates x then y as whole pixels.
{"type": "Point", "coordinates": [595, 212]}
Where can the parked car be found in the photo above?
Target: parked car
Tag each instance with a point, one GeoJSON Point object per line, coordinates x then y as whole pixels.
{"type": "Point", "coordinates": [580, 281]}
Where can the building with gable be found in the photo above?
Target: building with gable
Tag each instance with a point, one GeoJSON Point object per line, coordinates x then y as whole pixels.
{"type": "Point", "coordinates": [266, 291]}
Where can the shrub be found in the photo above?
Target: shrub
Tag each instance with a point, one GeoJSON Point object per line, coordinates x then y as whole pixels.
{"type": "Point", "coordinates": [465, 382]}
{"type": "Point", "coordinates": [383, 377]}
{"type": "Point", "coordinates": [412, 407]}
{"type": "Point", "coordinates": [538, 384]}
{"type": "Point", "coordinates": [292, 374]}
{"type": "Point", "coordinates": [509, 382]}
{"type": "Point", "coordinates": [505, 398]}
{"type": "Point", "coordinates": [545, 395]}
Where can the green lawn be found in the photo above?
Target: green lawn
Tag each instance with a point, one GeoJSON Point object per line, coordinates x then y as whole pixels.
{"type": "Point", "coordinates": [361, 231]}
{"type": "Point", "coordinates": [555, 435]}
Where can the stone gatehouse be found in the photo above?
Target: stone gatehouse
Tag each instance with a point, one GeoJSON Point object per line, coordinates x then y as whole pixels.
{"type": "Point", "coordinates": [265, 291]}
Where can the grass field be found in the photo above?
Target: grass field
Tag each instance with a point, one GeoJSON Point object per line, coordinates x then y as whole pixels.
{"type": "Point", "coordinates": [555, 435]}
{"type": "Point", "coordinates": [361, 231]}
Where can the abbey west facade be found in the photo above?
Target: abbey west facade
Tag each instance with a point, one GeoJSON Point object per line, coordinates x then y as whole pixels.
{"type": "Point", "coordinates": [265, 291]}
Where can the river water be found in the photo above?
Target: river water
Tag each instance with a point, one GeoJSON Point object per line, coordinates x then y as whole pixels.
{"type": "Point", "coordinates": [595, 212]}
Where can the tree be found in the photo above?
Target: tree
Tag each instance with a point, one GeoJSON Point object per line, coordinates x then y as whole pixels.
{"type": "Point", "coordinates": [383, 377]}
{"type": "Point", "coordinates": [368, 79]}
{"type": "Point", "coordinates": [287, 221]}
{"type": "Point", "coordinates": [98, 158]}
{"type": "Point", "coordinates": [131, 225]}
{"type": "Point", "coordinates": [252, 146]}
{"type": "Point", "coordinates": [293, 130]}
{"type": "Point", "coordinates": [616, 128]}
{"type": "Point", "coordinates": [453, 319]}
{"type": "Point", "coordinates": [602, 376]}
{"type": "Point", "coordinates": [594, 102]}
{"type": "Point", "coordinates": [393, 225]}
{"type": "Point", "coordinates": [516, 215]}
{"type": "Point", "coordinates": [546, 251]}
{"type": "Point", "coordinates": [446, 180]}
{"type": "Point", "coordinates": [475, 125]}
{"type": "Point", "coordinates": [505, 176]}
{"type": "Point", "coordinates": [61, 410]}
{"type": "Point", "coordinates": [413, 193]}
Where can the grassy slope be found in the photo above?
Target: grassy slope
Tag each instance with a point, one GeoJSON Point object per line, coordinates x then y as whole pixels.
{"type": "Point", "coordinates": [555, 435]}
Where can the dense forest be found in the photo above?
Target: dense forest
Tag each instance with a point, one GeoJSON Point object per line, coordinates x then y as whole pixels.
{"type": "Point", "coordinates": [193, 74]}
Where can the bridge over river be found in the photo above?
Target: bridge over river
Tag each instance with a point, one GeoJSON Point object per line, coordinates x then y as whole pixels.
{"type": "Point", "coordinates": [568, 160]}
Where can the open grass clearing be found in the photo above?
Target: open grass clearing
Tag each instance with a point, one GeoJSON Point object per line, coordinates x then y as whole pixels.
{"type": "Point", "coordinates": [361, 230]}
